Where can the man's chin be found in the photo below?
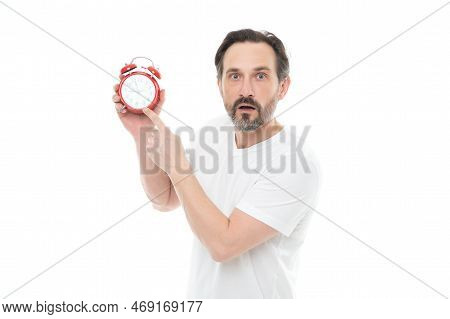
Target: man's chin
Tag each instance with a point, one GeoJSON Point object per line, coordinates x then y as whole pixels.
{"type": "Point", "coordinates": [249, 115]}
{"type": "Point", "coordinates": [245, 125]}
{"type": "Point", "coordinates": [246, 129]}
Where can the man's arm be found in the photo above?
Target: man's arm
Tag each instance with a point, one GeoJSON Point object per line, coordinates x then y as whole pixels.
{"type": "Point", "coordinates": [225, 238]}
{"type": "Point", "coordinates": [245, 233]}
{"type": "Point", "coordinates": [156, 183]}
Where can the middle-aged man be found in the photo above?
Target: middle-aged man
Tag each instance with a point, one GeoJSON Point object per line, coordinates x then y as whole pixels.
{"type": "Point", "coordinates": [249, 201]}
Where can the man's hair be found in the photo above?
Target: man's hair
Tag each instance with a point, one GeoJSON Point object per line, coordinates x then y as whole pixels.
{"type": "Point", "coordinates": [254, 36]}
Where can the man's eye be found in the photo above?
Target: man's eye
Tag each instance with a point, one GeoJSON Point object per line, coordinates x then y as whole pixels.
{"type": "Point", "coordinates": [235, 76]}
{"type": "Point", "coordinates": [261, 76]}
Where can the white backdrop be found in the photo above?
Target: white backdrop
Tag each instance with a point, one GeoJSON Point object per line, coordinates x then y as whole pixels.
{"type": "Point", "coordinates": [69, 170]}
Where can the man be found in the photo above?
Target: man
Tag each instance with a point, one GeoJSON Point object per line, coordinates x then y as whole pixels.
{"type": "Point", "coordinates": [248, 213]}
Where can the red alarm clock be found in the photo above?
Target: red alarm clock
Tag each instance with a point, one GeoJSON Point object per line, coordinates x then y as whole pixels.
{"type": "Point", "coordinates": [139, 87]}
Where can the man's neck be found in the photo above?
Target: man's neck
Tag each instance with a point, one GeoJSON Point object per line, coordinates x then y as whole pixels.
{"type": "Point", "coordinates": [247, 139]}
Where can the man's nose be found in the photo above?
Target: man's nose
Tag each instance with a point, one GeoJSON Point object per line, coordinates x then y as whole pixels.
{"type": "Point", "coordinates": [246, 88]}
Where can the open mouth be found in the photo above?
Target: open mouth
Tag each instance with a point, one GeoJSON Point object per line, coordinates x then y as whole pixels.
{"type": "Point", "coordinates": [246, 107]}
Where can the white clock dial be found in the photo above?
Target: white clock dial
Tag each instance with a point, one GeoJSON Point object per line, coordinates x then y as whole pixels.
{"type": "Point", "coordinates": [138, 91]}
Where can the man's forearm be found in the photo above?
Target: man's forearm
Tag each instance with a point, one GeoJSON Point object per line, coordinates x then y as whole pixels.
{"type": "Point", "coordinates": [156, 182]}
{"type": "Point", "coordinates": [206, 220]}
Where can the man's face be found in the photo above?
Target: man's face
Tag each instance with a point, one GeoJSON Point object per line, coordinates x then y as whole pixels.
{"type": "Point", "coordinates": [249, 85]}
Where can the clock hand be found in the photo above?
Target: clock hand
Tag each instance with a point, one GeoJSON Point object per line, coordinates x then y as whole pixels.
{"type": "Point", "coordinates": [135, 84]}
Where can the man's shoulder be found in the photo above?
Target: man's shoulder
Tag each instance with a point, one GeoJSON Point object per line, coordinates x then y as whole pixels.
{"type": "Point", "coordinates": [295, 160]}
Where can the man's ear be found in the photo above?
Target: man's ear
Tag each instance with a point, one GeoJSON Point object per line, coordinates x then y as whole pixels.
{"type": "Point", "coordinates": [283, 87]}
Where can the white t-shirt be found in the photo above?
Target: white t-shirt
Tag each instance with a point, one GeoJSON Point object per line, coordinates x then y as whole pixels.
{"type": "Point", "coordinates": [227, 175]}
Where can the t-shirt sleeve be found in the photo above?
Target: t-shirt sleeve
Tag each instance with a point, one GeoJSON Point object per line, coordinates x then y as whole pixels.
{"type": "Point", "coordinates": [282, 200]}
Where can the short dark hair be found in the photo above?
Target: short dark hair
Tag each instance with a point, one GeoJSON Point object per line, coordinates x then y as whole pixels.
{"type": "Point", "coordinates": [254, 36]}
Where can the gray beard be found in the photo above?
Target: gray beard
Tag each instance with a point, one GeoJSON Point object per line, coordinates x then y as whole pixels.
{"type": "Point", "coordinates": [244, 124]}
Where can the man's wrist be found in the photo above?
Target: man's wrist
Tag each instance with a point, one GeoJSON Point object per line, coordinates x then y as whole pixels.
{"type": "Point", "coordinates": [181, 171]}
{"type": "Point", "coordinates": [142, 134]}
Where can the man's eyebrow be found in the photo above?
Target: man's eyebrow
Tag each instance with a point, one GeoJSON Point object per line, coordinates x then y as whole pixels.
{"type": "Point", "coordinates": [259, 68]}
{"type": "Point", "coordinates": [232, 70]}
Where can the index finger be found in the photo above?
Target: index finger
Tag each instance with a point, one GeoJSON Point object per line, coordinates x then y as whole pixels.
{"type": "Point", "coordinates": [154, 117]}
{"type": "Point", "coordinates": [162, 98]}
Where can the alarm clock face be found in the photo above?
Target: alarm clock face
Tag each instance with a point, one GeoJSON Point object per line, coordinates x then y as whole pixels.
{"type": "Point", "coordinates": [138, 91]}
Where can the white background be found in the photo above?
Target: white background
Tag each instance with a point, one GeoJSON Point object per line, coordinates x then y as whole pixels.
{"type": "Point", "coordinates": [69, 170]}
